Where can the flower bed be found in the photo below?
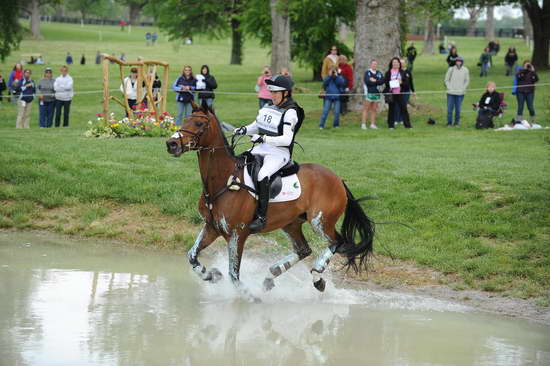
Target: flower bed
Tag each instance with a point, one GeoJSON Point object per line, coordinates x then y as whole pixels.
{"type": "Point", "coordinates": [144, 123]}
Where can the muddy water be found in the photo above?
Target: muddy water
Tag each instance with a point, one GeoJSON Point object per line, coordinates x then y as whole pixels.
{"type": "Point", "coordinates": [68, 302]}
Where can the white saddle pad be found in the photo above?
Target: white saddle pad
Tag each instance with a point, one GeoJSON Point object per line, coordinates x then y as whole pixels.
{"type": "Point", "coordinates": [290, 191]}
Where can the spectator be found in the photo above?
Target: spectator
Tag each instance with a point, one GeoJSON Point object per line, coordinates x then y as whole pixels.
{"type": "Point", "coordinates": [395, 80]}
{"type": "Point", "coordinates": [491, 45]}
{"type": "Point", "coordinates": [333, 85]}
{"type": "Point", "coordinates": [98, 58]}
{"type": "Point", "coordinates": [488, 107]}
{"type": "Point", "coordinates": [346, 71]}
{"type": "Point", "coordinates": [46, 96]}
{"type": "Point", "coordinates": [330, 61]}
{"type": "Point", "coordinates": [510, 60]}
{"type": "Point", "coordinates": [130, 89]}
{"type": "Point", "coordinates": [456, 81]}
{"type": "Point", "coordinates": [26, 90]}
{"type": "Point", "coordinates": [453, 55]}
{"type": "Point", "coordinates": [154, 38]}
{"type": "Point", "coordinates": [411, 56]}
{"type": "Point", "coordinates": [122, 57]}
{"type": "Point", "coordinates": [485, 61]}
{"type": "Point", "coordinates": [373, 80]}
{"type": "Point", "coordinates": [285, 71]}
{"type": "Point", "coordinates": [497, 47]}
{"type": "Point", "coordinates": [206, 83]}
{"type": "Point", "coordinates": [264, 95]}
{"type": "Point", "coordinates": [15, 78]}
{"type": "Point", "coordinates": [122, 24]}
{"type": "Point", "coordinates": [3, 87]}
{"type": "Point", "coordinates": [148, 38]}
{"type": "Point", "coordinates": [69, 59]}
{"type": "Point", "coordinates": [83, 60]}
{"type": "Point", "coordinates": [184, 86]}
{"type": "Point", "coordinates": [525, 93]}
{"type": "Point", "coordinates": [156, 88]}
{"type": "Point", "coordinates": [442, 49]}
{"type": "Point", "coordinates": [407, 88]}
{"type": "Point", "coordinates": [39, 60]}
{"type": "Point", "coordinates": [63, 86]}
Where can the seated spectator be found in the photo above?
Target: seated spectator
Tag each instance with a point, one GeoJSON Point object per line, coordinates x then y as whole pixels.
{"type": "Point", "coordinates": [39, 61]}
{"type": "Point", "coordinates": [333, 85]}
{"type": "Point", "coordinates": [442, 49]}
{"type": "Point", "coordinates": [69, 59]}
{"type": "Point", "coordinates": [130, 88]}
{"type": "Point", "coordinates": [488, 107]}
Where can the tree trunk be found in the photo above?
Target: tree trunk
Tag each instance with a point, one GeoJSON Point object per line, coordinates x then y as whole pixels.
{"type": "Point", "coordinates": [490, 24]}
{"type": "Point", "coordinates": [280, 36]}
{"type": "Point", "coordinates": [377, 36]}
{"type": "Point", "coordinates": [317, 72]}
{"type": "Point", "coordinates": [540, 19]}
{"type": "Point", "coordinates": [472, 21]}
{"type": "Point", "coordinates": [236, 42]}
{"type": "Point", "coordinates": [35, 19]}
{"type": "Point", "coordinates": [429, 37]}
{"type": "Point", "coordinates": [527, 26]}
{"type": "Point", "coordinates": [133, 14]}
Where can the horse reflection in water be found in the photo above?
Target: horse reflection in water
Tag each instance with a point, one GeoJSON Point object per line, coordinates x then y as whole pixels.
{"type": "Point", "coordinates": [227, 213]}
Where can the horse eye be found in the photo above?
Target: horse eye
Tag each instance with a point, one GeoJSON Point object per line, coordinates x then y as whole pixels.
{"type": "Point", "coordinates": [198, 124]}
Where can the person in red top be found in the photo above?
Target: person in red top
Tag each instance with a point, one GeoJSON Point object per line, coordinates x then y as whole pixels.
{"type": "Point", "coordinates": [346, 71]}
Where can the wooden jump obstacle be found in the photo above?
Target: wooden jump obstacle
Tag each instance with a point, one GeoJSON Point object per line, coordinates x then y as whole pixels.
{"type": "Point", "coordinates": [145, 68]}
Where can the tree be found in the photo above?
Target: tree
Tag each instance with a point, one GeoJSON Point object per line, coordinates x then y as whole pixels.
{"type": "Point", "coordinates": [527, 27]}
{"type": "Point", "coordinates": [134, 9]}
{"type": "Point", "coordinates": [490, 23]}
{"type": "Point", "coordinates": [11, 34]}
{"type": "Point", "coordinates": [474, 13]}
{"type": "Point", "coordinates": [280, 35]}
{"type": "Point", "coordinates": [214, 18]}
{"type": "Point", "coordinates": [85, 7]}
{"type": "Point", "coordinates": [32, 9]}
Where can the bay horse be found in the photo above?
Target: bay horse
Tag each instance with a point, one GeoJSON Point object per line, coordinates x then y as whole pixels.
{"type": "Point", "coordinates": [228, 212]}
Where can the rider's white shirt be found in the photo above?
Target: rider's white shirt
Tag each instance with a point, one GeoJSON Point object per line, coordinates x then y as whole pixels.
{"type": "Point", "coordinates": [275, 145]}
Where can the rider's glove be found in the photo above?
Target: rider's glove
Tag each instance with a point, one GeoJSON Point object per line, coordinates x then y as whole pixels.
{"type": "Point", "coordinates": [240, 131]}
{"type": "Point", "coordinates": [257, 139]}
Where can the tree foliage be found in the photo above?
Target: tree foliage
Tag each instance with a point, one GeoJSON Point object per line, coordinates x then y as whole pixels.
{"type": "Point", "coordinates": [12, 31]}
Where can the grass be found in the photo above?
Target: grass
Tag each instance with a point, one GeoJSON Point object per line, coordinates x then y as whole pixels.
{"type": "Point", "coordinates": [478, 200]}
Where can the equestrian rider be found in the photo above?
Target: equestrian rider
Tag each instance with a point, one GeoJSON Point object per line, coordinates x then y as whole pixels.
{"type": "Point", "coordinates": [273, 134]}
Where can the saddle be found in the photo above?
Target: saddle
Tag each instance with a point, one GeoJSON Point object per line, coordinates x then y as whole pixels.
{"type": "Point", "coordinates": [284, 184]}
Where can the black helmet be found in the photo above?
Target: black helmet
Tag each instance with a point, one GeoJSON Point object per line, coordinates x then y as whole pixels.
{"type": "Point", "coordinates": [279, 83]}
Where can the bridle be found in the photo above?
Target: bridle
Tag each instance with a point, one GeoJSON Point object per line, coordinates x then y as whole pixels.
{"type": "Point", "coordinates": [193, 143]}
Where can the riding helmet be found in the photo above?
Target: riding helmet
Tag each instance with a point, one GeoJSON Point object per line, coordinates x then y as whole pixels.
{"type": "Point", "coordinates": [279, 83]}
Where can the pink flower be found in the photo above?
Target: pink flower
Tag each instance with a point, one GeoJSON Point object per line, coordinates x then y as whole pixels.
{"type": "Point", "coordinates": [99, 115]}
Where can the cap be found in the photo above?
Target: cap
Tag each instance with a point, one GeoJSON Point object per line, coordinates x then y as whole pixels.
{"type": "Point", "coordinates": [48, 69]}
{"type": "Point", "coordinates": [459, 59]}
{"type": "Point", "coordinates": [279, 83]}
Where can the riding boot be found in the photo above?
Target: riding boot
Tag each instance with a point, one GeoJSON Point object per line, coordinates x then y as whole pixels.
{"type": "Point", "coordinates": [261, 210]}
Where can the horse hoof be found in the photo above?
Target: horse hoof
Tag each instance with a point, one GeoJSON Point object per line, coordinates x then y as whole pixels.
{"type": "Point", "coordinates": [320, 285]}
{"type": "Point", "coordinates": [268, 284]}
{"type": "Point", "coordinates": [214, 275]}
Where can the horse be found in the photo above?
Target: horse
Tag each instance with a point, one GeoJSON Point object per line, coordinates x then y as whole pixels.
{"type": "Point", "coordinates": [227, 208]}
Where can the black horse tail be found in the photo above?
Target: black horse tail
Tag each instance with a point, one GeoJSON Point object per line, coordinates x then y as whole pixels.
{"type": "Point", "coordinates": [356, 223]}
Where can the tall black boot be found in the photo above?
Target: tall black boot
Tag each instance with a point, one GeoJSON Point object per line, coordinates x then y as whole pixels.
{"type": "Point", "coordinates": [261, 210]}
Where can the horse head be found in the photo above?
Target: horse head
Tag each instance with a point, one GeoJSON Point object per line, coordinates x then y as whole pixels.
{"type": "Point", "coordinates": [195, 133]}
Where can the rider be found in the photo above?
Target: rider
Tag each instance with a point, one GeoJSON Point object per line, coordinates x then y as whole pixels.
{"type": "Point", "coordinates": [273, 134]}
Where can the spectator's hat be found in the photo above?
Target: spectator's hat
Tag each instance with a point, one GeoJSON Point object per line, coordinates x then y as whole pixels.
{"type": "Point", "coordinates": [459, 59]}
{"type": "Point", "coordinates": [279, 83]}
{"type": "Point", "coordinates": [47, 69]}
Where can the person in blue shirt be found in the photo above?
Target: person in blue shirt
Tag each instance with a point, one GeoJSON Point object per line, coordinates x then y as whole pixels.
{"type": "Point", "coordinates": [69, 59]}
{"type": "Point", "coordinates": [184, 86]}
{"type": "Point", "coordinates": [333, 85]}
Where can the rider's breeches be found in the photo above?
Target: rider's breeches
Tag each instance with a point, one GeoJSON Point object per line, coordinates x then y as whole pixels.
{"type": "Point", "coordinates": [273, 161]}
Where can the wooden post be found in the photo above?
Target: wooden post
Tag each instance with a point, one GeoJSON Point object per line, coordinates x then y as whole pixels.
{"type": "Point", "coordinates": [139, 87]}
{"type": "Point", "coordinates": [149, 90]}
{"type": "Point", "coordinates": [164, 89]}
{"type": "Point", "coordinates": [105, 88]}
{"type": "Point", "coordinates": [128, 109]}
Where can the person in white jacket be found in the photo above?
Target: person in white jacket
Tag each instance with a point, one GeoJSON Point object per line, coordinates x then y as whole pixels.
{"type": "Point", "coordinates": [129, 87]}
{"type": "Point", "coordinates": [63, 87]}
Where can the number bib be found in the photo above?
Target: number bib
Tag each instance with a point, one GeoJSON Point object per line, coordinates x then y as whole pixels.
{"type": "Point", "coordinates": [269, 120]}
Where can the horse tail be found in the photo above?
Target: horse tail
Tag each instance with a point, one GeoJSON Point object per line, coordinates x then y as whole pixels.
{"type": "Point", "coordinates": [355, 222]}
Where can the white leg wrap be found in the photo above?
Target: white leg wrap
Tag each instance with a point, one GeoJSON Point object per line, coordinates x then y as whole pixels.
{"type": "Point", "coordinates": [322, 262]}
{"type": "Point", "coordinates": [283, 265]}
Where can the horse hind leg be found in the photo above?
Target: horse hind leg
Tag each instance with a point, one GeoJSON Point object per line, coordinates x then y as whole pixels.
{"type": "Point", "coordinates": [301, 251]}
{"type": "Point", "coordinates": [325, 228]}
{"type": "Point", "coordinates": [206, 236]}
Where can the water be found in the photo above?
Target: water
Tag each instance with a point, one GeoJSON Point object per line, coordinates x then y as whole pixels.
{"type": "Point", "coordinates": [68, 302]}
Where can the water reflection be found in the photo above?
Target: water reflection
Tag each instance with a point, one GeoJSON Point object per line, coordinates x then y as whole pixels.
{"type": "Point", "coordinates": [65, 303]}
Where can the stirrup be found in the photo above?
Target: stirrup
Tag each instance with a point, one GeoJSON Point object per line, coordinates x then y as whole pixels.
{"type": "Point", "coordinates": [257, 225]}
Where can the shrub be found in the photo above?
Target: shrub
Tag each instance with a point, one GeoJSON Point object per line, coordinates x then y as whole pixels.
{"type": "Point", "coordinates": [144, 123]}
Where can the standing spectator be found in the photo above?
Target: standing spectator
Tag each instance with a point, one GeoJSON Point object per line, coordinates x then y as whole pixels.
{"type": "Point", "coordinates": [3, 87]}
{"type": "Point", "coordinates": [156, 87]}
{"type": "Point", "coordinates": [491, 45]}
{"type": "Point", "coordinates": [330, 61]}
{"type": "Point", "coordinates": [15, 78]}
{"type": "Point", "coordinates": [406, 89]}
{"type": "Point", "coordinates": [63, 86]}
{"type": "Point", "coordinates": [333, 85]}
{"type": "Point", "coordinates": [525, 93]}
{"type": "Point", "coordinates": [98, 58]}
{"type": "Point", "coordinates": [130, 88]}
{"type": "Point", "coordinates": [485, 61]}
{"type": "Point", "coordinates": [510, 60]}
{"type": "Point", "coordinates": [83, 60]}
{"type": "Point", "coordinates": [26, 90]}
{"type": "Point", "coordinates": [373, 79]}
{"type": "Point", "coordinates": [148, 38]}
{"type": "Point", "coordinates": [69, 59]}
{"type": "Point", "coordinates": [411, 56]}
{"type": "Point", "coordinates": [456, 81]}
{"type": "Point", "coordinates": [395, 80]}
{"type": "Point", "coordinates": [184, 86]}
{"type": "Point", "coordinates": [206, 83]}
{"type": "Point", "coordinates": [122, 24]}
{"type": "Point", "coordinates": [154, 38]}
{"type": "Point", "coordinates": [346, 71]}
{"type": "Point", "coordinates": [46, 96]}
{"type": "Point", "coordinates": [453, 55]}
{"type": "Point", "coordinates": [264, 95]}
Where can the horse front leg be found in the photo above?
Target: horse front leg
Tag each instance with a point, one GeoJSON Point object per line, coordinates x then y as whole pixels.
{"type": "Point", "coordinates": [206, 236]}
{"type": "Point", "coordinates": [235, 247]}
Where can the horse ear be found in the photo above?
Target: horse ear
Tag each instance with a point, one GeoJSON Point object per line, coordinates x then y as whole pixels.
{"type": "Point", "coordinates": [195, 106]}
{"type": "Point", "coordinates": [204, 106]}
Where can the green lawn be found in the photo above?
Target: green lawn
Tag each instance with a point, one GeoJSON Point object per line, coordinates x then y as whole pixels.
{"type": "Point", "coordinates": [478, 200]}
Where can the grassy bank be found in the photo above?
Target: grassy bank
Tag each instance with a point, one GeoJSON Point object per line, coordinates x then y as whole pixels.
{"type": "Point", "coordinates": [478, 200]}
